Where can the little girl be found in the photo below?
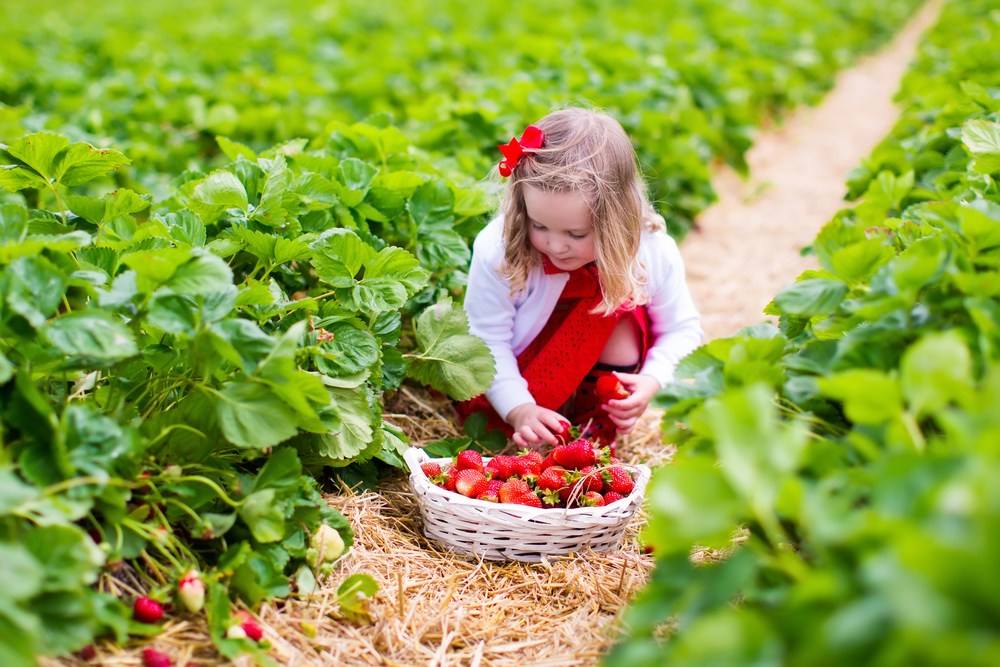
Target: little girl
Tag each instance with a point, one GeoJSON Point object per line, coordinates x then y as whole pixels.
{"type": "Point", "coordinates": [577, 279]}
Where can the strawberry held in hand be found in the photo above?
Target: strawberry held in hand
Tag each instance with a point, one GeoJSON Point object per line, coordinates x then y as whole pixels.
{"type": "Point", "coordinates": [609, 387]}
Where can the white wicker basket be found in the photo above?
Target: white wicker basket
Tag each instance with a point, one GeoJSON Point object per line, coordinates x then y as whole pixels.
{"type": "Point", "coordinates": [497, 531]}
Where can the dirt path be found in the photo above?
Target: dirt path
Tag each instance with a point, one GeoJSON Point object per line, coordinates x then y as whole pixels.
{"type": "Point", "coordinates": [746, 246]}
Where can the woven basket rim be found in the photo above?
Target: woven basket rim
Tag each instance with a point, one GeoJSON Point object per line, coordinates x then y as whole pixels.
{"type": "Point", "coordinates": [416, 456]}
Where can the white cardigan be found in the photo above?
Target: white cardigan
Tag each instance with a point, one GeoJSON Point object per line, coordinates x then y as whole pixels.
{"type": "Point", "coordinates": [508, 323]}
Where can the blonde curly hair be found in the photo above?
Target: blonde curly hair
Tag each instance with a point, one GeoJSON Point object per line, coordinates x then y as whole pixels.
{"type": "Point", "coordinates": [588, 152]}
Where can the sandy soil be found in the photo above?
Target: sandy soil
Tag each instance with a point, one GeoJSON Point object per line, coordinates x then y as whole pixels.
{"type": "Point", "coordinates": [746, 246]}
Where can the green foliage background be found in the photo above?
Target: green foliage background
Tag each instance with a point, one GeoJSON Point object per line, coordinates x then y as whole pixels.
{"type": "Point", "coordinates": [857, 442]}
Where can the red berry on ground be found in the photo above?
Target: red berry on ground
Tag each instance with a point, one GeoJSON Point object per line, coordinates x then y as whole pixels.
{"type": "Point", "coordinates": [88, 652]}
{"type": "Point", "coordinates": [470, 483]}
{"type": "Point", "coordinates": [153, 658]}
{"type": "Point", "coordinates": [253, 630]}
{"type": "Point", "coordinates": [609, 387]}
{"type": "Point", "coordinates": [470, 459]}
{"type": "Point", "coordinates": [147, 611]}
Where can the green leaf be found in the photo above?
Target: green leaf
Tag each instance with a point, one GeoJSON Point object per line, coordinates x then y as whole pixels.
{"type": "Point", "coordinates": [317, 193]}
{"type": "Point", "coordinates": [92, 333]}
{"type": "Point", "coordinates": [859, 261]}
{"type": "Point", "coordinates": [233, 150]}
{"type": "Point", "coordinates": [356, 432]}
{"type": "Point", "coordinates": [81, 162]}
{"type": "Point", "coordinates": [357, 175]}
{"type": "Point", "coordinates": [982, 138]}
{"type": "Point", "coordinates": [263, 514]}
{"type": "Point", "coordinates": [185, 227]}
{"type": "Point", "coordinates": [204, 274]}
{"type": "Point", "coordinates": [251, 415]}
{"type": "Point", "coordinates": [344, 247]}
{"type": "Point", "coordinates": [935, 370]}
{"type": "Point", "coordinates": [432, 204]}
{"type": "Point", "coordinates": [980, 223]}
{"type": "Point", "coordinates": [34, 288]}
{"type": "Point", "coordinates": [816, 296]}
{"type": "Point", "coordinates": [174, 313]}
{"type": "Point", "coordinates": [447, 357]}
{"type": "Point", "coordinates": [269, 211]}
{"type": "Point", "coordinates": [222, 188]}
{"type": "Point", "coordinates": [39, 152]}
{"type": "Point", "coordinates": [869, 396]}
{"type": "Point", "coordinates": [14, 178]}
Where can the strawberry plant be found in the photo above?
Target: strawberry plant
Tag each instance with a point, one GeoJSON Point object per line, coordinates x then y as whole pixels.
{"type": "Point", "coordinates": [854, 442]}
{"type": "Point", "coordinates": [176, 376]}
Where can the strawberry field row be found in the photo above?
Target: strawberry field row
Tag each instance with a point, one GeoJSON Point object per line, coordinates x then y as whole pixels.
{"type": "Point", "coordinates": [856, 443]}
{"type": "Point", "coordinates": [689, 79]}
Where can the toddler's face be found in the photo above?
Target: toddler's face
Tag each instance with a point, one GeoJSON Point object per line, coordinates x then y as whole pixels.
{"type": "Point", "coordinates": [560, 227]}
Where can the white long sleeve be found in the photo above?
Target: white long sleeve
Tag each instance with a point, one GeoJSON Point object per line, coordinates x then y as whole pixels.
{"type": "Point", "coordinates": [508, 323]}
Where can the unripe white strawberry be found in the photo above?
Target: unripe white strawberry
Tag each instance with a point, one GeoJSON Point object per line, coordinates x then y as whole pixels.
{"type": "Point", "coordinates": [328, 545]}
{"type": "Point", "coordinates": [236, 632]}
{"type": "Point", "coordinates": [191, 591]}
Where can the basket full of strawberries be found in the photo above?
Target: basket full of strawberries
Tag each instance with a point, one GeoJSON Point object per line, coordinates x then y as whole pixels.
{"type": "Point", "coordinates": [527, 507]}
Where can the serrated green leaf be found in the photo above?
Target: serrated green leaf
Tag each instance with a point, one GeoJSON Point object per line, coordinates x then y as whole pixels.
{"type": "Point", "coordinates": [346, 248]}
{"type": "Point", "coordinates": [817, 296]}
{"type": "Point", "coordinates": [222, 188]}
{"type": "Point", "coordinates": [356, 431]}
{"type": "Point", "coordinates": [81, 162]}
{"type": "Point", "coordinates": [982, 138]}
{"type": "Point", "coordinates": [869, 396]}
{"type": "Point", "coordinates": [233, 149]}
{"type": "Point", "coordinates": [263, 514]}
{"type": "Point", "coordinates": [34, 288]}
{"type": "Point", "coordinates": [39, 152]}
{"type": "Point", "coordinates": [204, 274]}
{"type": "Point", "coordinates": [252, 416]}
{"type": "Point", "coordinates": [317, 193]}
{"type": "Point", "coordinates": [14, 178]}
{"type": "Point", "coordinates": [92, 334]}
{"type": "Point", "coordinates": [269, 211]}
{"type": "Point", "coordinates": [13, 223]}
{"type": "Point", "coordinates": [447, 357]}
{"type": "Point", "coordinates": [399, 265]}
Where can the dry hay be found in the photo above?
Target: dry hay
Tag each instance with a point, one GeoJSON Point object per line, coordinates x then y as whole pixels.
{"type": "Point", "coordinates": [433, 607]}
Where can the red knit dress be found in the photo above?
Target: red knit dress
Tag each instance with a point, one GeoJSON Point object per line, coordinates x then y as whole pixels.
{"type": "Point", "coordinates": [561, 362]}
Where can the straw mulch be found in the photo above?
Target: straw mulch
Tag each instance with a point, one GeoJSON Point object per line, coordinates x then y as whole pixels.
{"type": "Point", "coordinates": [433, 607]}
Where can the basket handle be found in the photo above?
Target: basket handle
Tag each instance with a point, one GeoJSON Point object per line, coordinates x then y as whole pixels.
{"type": "Point", "coordinates": [414, 456]}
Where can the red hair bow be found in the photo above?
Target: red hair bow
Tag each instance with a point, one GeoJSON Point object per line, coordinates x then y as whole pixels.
{"type": "Point", "coordinates": [512, 152]}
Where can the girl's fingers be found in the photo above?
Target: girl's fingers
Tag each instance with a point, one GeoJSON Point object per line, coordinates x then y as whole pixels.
{"type": "Point", "coordinates": [519, 441]}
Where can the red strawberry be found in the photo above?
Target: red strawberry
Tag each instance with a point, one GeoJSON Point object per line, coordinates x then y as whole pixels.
{"type": "Point", "coordinates": [253, 630]}
{"type": "Point", "coordinates": [592, 499]}
{"type": "Point", "coordinates": [512, 488]}
{"type": "Point", "coordinates": [528, 498]}
{"type": "Point", "coordinates": [611, 497]}
{"type": "Point", "coordinates": [147, 611]}
{"type": "Point", "coordinates": [492, 492]}
{"type": "Point", "coordinates": [618, 479]}
{"type": "Point", "coordinates": [575, 455]}
{"type": "Point", "coordinates": [591, 478]}
{"type": "Point", "coordinates": [153, 658]}
{"type": "Point", "coordinates": [431, 469]}
{"type": "Point", "coordinates": [470, 459]}
{"type": "Point", "coordinates": [470, 483]}
{"type": "Point", "coordinates": [552, 479]}
{"type": "Point", "coordinates": [609, 387]}
{"type": "Point", "coordinates": [533, 461]}
{"type": "Point", "coordinates": [548, 462]}
{"type": "Point", "coordinates": [566, 433]}
{"type": "Point", "coordinates": [502, 467]}
{"type": "Point", "coordinates": [88, 652]}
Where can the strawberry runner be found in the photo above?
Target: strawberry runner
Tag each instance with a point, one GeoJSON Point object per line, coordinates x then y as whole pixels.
{"type": "Point", "coordinates": [563, 358]}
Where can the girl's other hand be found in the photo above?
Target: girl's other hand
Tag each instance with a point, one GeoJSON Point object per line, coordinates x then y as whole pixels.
{"type": "Point", "coordinates": [625, 412]}
{"type": "Point", "coordinates": [534, 425]}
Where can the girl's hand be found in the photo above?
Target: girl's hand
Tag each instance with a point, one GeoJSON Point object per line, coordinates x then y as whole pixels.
{"type": "Point", "coordinates": [626, 411]}
{"type": "Point", "coordinates": [534, 425]}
